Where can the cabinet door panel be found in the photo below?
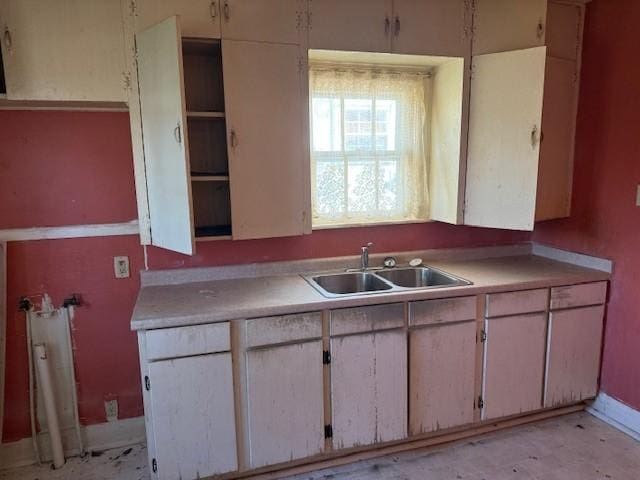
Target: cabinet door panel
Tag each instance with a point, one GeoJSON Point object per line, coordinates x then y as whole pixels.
{"type": "Point", "coordinates": [555, 175]}
{"type": "Point", "coordinates": [65, 50]}
{"type": "Point", "coordinates": [514, 365]}
{"type": "Point", "coordinates": [265, 123]}
{"type": "Point", "coordinates": [431, 27]}
{"type": "Point", "coordinates": [573, 364]}
{"type": "Point", "coordinates": [166, 149]}
{"type": "Point", "coordinates": [503, 25]}
{"type": "Point", "coordinates": [278, 21]}
{"type": "Point", "coordinates": [198, 18]}
{"type": "Point", "coordinates": [193, 416]}
{"type": "Point", "coordinates": [286, 409]}
{"type": "Point", "coordinates": [369, 388]}
{"type": "Point", "coordinates": [442, 377]}
{"type": "Point", "coordinates": [504, 139]}
{"type": "Point", "coordinates": [353, 25]}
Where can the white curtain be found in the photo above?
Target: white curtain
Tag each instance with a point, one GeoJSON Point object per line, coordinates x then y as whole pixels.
{"type": "Point", "coordinates": [367, 145]}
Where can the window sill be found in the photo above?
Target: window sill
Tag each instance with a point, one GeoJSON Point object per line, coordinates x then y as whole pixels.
{"type": "Point", "coordinates": [364, 225]}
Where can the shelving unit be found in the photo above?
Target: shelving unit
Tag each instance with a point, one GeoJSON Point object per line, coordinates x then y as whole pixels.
{"type": "Point", "coordinates": [206, 127]}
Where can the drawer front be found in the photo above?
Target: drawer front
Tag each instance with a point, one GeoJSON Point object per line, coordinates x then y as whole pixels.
{"type": "Point", "coordinates": [578, 295]}
{"type": "Point", "coordinates": [284, 328]}
{"type": "Point", "coordinates": [430, 312]}
{"type": "Point", "coordinates": [367, 319]}
{"type": "Point", "coordinates": [515, 303]}
{"type": "Point", "coordinates": [187, 341]}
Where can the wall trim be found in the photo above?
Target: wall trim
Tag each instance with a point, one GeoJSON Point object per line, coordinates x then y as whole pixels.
{"type": "Point", "coordinates": [616, 414]}
{"type": "Point", "coordinates": [70, 231]}
{"type": "Point", "coordinates": [98, 437]}
{"type": "Point", "coordinates": [567, 256]}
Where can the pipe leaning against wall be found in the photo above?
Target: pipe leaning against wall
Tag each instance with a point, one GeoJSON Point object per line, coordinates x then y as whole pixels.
{"type": "Point", "coordinates": [42, 363]}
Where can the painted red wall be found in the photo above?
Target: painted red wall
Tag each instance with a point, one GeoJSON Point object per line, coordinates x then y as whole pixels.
{"type": "Point", "coordinates": [605, 220]}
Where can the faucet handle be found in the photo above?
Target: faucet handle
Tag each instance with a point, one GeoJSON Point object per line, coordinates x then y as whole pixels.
{"type": "Point", "coordinates": [367, 246]}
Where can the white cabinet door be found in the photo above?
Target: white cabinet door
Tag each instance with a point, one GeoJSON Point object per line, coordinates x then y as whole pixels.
{"type": "Point", "coordinates": [573, 362]}
{"type": "Point", "coordinates": [431, 27]}
{"type": "Point", "coordinates": [353, 25]}
{"type": "Point", "coordinates": [166, 150]}
{"type": "Point", "coordinates": [276, 21]}
{"type": "Point", "coordinates": [286, 403]}
{"type": "Point", "coordinates": [442, 370]}
{"type": "Point", "coordinates": [69, 50]}
{"type": "Point", "coordinates": [369, 388]}
{"type": "Point", "coordinates": [193, 417]}
{"type": "Point", "coordinates": [514, 353]}
{"type": "Point", "coordinates": [268, 161]}
{"type": "Point", "coordinates": [502, 25]}
{"type": "Point", "coordinates": [504, 139]}
{"type": "Point", "coordinates": [198, 18]}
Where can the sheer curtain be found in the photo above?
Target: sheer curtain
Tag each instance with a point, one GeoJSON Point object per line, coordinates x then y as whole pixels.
{"type": "Point", "coordinates": [367, 145]}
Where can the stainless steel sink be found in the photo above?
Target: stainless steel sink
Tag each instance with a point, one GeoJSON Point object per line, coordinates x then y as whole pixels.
{"type": "Point", "coordinates": [350, 283]}
{"type": "Point", "coordinates": [382, 281]}
{"type": "Point", "coordinates": [420, 277]}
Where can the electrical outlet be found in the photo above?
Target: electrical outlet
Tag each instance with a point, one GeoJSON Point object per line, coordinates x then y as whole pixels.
{"type": "Point", "coordinates": [111, 410]}
{"type": "Point", "coordinates": [121, 267]}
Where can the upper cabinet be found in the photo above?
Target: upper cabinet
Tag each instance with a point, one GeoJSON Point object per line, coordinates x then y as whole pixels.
{"type": "Point", "coordinates": [419, 27]}
{"type": "Point", "coordinates": [502, 25]}
{"type": "Point", "coordinates": [274, 21]}
{"type": "Point", "coordinates": [198, 18]}
{"type": "Point", "coordinates": [65, 50]}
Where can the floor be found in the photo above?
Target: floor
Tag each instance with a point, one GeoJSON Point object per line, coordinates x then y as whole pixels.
{"type": "Point", "coordinates": [573, 447]}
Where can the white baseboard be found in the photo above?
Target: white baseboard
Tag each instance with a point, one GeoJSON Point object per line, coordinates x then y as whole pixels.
{"type": "Point", "coordinates": [616, 414]}
{"type": "Point", "coordinates": [102, 436]}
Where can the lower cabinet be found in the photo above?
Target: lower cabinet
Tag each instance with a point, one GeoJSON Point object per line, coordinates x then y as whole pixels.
{"type": "Point", "coordinates": [192, 411]}
{"type": "Point", "coordinates": [514, 356]}
{"type": "Point", "coordinates": [286, 403]}
{"type": "Point", "coordinates": [368, 375]}
{"type": "Point", "coordinates": [573, 363]}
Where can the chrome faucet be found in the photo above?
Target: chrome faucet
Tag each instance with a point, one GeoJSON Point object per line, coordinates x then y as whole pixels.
{"type": "Point", "coordinates": [364, 256]}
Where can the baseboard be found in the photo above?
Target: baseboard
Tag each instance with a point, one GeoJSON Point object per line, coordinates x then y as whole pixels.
{"type": "Point", "coordinates": [616, 414]}
{"type": "Point", "coordinates": [101, 436]}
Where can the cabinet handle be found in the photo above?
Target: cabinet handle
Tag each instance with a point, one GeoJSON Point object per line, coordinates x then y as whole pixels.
{"type": "Point", "coordinates": [387, 26]}
{"type": "Point", "coordinates": [397, 29]}
{"type": "Point", "coordinates": [227, 14]}
{"type": "Point", "coordinates": [213, 9]}
{"type": "Point", "coordinates": [233, 139]}
{"type": "Point", "coordinates": [8, 41]}
{"type": "Point", "coordinates": [535, 137]}
{"type": "Point", "coordinates": [177, 134]}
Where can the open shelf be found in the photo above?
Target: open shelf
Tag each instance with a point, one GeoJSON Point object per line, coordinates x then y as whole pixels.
{"type": "Point", "coordinates": [213, 232]}
{"type": "Point", "coordinates": [207, 145]}
{"type": "Point", "coordinates": [211, 208]}
{"type": "Point", "coordinates": [203, 83]}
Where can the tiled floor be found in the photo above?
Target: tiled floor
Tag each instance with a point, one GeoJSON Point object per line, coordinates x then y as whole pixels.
{"type": "Point", "coordinates": [574, 447]}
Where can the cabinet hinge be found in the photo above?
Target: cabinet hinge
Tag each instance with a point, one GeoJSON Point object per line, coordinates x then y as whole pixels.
{"type": "Point", "coordinates": [309, 19]}
{"type": "Point", "coordinates": [154, 465]}
{"type": "Point", "coordinates": [483, 336]}
{"type": "Point", "coordinates": [480, 402]}
{"type": "Point", "coordinates": [132, 8]}
{"type": "Point", "coordinates": [326, 357]}
{"type": "Point", "coordinates": [328, 431]}
{"type": "Point", "coordinates": [147, 383]}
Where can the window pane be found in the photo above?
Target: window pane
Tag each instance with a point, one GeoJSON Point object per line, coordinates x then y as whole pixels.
{"type": "Point", "coordinates": [358, 124]}
{"type": "Point", "coordinates": [388, 186]}
{"type": "Point", "coordinates": [386, 125]}
{"type": "Point", "coordinates": [327, 124]}
{"type": "Point", "coordinates": [330, 187]}
{"type": "Point", "coordinates": [362, 180]}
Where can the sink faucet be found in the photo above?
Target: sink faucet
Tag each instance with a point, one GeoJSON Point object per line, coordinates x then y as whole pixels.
{"type": "Point", "coordinates": [364, 256]}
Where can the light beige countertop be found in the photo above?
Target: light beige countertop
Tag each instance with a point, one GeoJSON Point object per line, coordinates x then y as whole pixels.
{"type": "Point", "coordinates": [161, 306]}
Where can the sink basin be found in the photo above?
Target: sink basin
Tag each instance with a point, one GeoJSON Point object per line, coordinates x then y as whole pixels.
{"type": "Point", "coordinates": [349, 283]}
{"type": "Point", "coordinates": [420, 277]}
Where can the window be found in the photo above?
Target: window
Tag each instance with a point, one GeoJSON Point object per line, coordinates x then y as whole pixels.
{"type": "Point", "coordinates": [367, 147]}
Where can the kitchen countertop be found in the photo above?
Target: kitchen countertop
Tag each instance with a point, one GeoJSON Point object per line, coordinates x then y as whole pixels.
{"type": "Point", "coordinates": [161, 306]}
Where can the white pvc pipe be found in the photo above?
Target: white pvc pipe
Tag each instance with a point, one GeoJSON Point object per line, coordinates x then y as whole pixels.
{"type": "Point", "coordinates": [32, 400]}
{"type": "Point", "coordinates": [68, 313]}
{"type": "Point", "coordinates": [46, 386]}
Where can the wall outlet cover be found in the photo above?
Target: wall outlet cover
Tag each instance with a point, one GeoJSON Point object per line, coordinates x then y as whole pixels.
{"type": "Point", "coordinates": [121, 267]}
{"type": "Point", "coordinates": [111, 410]}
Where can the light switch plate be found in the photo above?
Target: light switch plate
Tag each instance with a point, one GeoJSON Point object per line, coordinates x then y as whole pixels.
{"type": "Point", "coordinates": [121, 267]}
{"type": "Point", "coordinates": [638, 196]}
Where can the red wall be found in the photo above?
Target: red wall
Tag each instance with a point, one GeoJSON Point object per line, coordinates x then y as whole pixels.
{"type": "Point", "coordinates": [605, 220]}
{"type": "Point", "coordinates": [68, 168]}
